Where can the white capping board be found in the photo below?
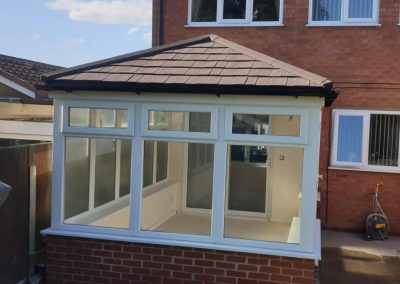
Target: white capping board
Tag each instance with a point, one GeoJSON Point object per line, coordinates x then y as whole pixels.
{"type": "Point", "coordinates": [26, 130]}
{"type": "Point", "coordinates": [17, 87]}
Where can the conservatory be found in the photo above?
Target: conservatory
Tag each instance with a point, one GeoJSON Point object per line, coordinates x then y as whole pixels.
{"type": "Point", "coordinates": [203, 143]}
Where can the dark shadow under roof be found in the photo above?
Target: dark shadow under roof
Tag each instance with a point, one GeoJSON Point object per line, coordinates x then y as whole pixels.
{"type": "Point", "coordinates": [207, 64]}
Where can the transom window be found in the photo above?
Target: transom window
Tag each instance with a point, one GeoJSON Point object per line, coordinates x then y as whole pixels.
{"type": "Point", "coordinates": [366, 139]}
{"type": "Point", "coordinates": [250, 12]}
{"type": "Point", "coordinates": [344, 11]}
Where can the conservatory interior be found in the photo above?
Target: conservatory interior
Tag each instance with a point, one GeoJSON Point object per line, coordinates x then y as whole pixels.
{"type": "Point", "coordinates": [263, 183]}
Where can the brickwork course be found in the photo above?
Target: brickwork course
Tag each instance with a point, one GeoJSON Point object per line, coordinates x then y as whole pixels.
{"type": "Point", "coordinates": [364, 65]}
{"type": "Point", "coordinates": [79, 260]}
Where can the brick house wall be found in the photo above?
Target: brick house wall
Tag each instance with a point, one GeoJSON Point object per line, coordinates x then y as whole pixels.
{"type": "Point", "coordinates": [78, 260]}
{"type": "Point", "coordinates": [363, 63]}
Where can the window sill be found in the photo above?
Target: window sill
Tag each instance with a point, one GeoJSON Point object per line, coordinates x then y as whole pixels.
{"type": "Point", "coordinates": [343, 25]}
{"type": "Point", "coordinates": [315, 254]}
{"type": "Point", "coordinates": [365, 169]}
{"type": "Point", "coordinates": [239, 25]}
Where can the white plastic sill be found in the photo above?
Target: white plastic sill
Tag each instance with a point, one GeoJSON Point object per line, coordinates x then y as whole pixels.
{"type": "Point", "coordinates": [365, 169]}
{"type": "Point", "coordinates": [315, 254]}
{"type": "Point", "coordinates": [343, 24]}
{"type": "Point", "coordinates": [225, 25]}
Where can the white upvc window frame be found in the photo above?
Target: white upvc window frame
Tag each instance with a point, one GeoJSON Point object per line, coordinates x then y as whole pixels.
{"type": "Point", "coordinates": [363, 165]}
{"type": "Point", "coordinates": [67, 129]}
{"type": "Point", "coordinates": [308, 243]}
{"type": "Point", "coordinates": [180, 134]}
{"type": "Point", "coordinates": [301, 139]}
{"type": "Point", "coordinates": [345, 19]}
{"type": "Point", "coordinates": [247, 21]}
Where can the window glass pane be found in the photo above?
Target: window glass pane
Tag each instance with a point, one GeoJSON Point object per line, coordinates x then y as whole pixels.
{"type": "Point", "coordinates": [125, 169]}
{"type": "Point", "coordinates": [179, 121]}
{"type": "Point", "coordinates": [204, 10]}
{"type": "Point", "coordinates": [260, 124]}
{"type": "Point", "coordinates": [234, 9]}
{"type": "Point", "coordinates": [247, 179]}
{"type": "Point", "coordinates": [349, 148]}
{"type": "Point", "coordinates": [148, 163]}
{"type": "Point", "coordinates": [163, 207]}
{"type": "Point", "coordinates": [200, 176]}
{"type": "Point", "coordinates": [384, 140]}
{"type": "Point", "coordinates": [76, 177]}
{"type": "Point", "coordinates": [162, 161]}
{"type": "Point", "coordinates": [98, 118]}
{"type": "Point", "coordinates": [360, 8]}
{"type": "Point", "coordinates": [266, 10]}
{"type": "Point", "coordinates": [327, 10]}
{"type": "Point", "coordinates": [79, 117]}
{"type": "Point", "coordinates": [105, 171]}
{"type": "Point", "coordinates": [94, 169]}
{"type": "Point", "coordinates": [104, 118]}
{"type": "Point", "coordinates": [263, 196]}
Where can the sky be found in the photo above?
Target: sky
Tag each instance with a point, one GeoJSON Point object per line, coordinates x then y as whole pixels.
{"type": "Point", "coordinates": [72, 32]}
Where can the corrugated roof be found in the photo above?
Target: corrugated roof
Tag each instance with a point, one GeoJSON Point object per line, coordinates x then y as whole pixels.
{"type": "Point", "coordinates": [205, 61]}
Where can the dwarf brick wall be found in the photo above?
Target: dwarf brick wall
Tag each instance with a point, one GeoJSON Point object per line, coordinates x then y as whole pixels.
{"type": "Point", "coordinates": [363, 63]}
{"type": "Point", "coordinates": [78, 260]}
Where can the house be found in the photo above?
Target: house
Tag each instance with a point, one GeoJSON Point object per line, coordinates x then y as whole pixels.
{"type": "Point", "coordinates": [195, 161]}
{"type": "Point", "coordinates": [354, 44]}
{"type": "Point", "coordinates": [26, 132]}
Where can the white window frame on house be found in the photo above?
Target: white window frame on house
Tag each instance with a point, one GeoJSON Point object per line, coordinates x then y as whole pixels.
{"type": "Point", "coordinates": [310, 111]}
{"type": "Point", "coordinates": [345, 19]}
{"type": "Point", "coordinates": [248, 21]}
{"type": "Point", "coordinates": [301, 139]}
{"type": "Point", "coordinates": [363, 165]}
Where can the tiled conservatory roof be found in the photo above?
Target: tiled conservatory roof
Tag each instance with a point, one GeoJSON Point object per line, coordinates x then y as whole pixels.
{"type": "Point", "coordinates": [211, 63]}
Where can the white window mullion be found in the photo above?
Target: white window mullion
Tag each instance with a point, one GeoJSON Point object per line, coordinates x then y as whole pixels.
{"type": "Point", "coordinates": [117, 168]}
{"type": "Point", "coordinates": [365, 141]}
{"type": "Point", "coordinates": [136, 175]}
{"type": "Point", "coordinates": [92, 172]}
{"type": "Point", "coordinates": [219, 181]}
{"type": "Point", "coordinates": [249, 10]}
{"type": "Point", "coordinates": [220, 10]}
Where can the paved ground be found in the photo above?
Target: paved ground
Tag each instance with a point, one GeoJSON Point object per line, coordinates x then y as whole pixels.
{"type": "Point", "coordinates": [348, 259]}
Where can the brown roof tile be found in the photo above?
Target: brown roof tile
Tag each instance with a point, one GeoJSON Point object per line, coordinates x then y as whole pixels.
{"type": "Point", "coordinates": [209, 60]}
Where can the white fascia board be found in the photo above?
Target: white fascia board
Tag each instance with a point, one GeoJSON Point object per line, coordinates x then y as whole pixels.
{"type": "Point", "coordinates": [26, 130]}
{"type": "Point", "coordinates": [17, 87]}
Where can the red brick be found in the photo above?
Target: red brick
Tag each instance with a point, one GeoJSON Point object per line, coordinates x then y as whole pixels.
{"type": "Point", "coordinates": [303, 280]}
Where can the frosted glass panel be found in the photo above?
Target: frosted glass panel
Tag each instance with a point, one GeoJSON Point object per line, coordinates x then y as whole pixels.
{"type": "Point", "coordinates": [349, 148]}
{"type": "Point", "coordinates": [76, 196]}
{"type": "Point", "coordinates": [360, 8]}
{"type": "Point", "coordinates": [105, 171]}
{"type": "Point", "coordinates": [327, 10]}
{"type": "Point", "coordinates": [79, 117]}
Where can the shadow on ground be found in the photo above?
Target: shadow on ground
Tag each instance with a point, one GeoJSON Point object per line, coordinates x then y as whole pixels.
{"type": "Point", "coordinates": [345, 266]}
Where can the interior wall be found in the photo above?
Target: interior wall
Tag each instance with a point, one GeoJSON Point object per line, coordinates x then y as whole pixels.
{"type": "Point", "coordinates": [163, 201]}
{"type": "Point", "coordinates": [286, 172]}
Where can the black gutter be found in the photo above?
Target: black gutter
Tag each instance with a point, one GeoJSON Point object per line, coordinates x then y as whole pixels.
{"type": "Point", "coordinates": [69, 86]}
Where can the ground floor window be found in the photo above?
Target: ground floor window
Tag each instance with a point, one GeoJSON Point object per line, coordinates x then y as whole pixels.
{"type": "Point", "coordinates": [368, 139]}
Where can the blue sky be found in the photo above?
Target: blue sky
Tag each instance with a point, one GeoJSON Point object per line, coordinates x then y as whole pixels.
{"type": "Point", "coordinates": [73, 32]}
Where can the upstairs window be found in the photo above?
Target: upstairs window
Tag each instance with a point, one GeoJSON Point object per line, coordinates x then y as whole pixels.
{"type": "Point", "coordinates": [366, 139]}
{"type": "Point", "coordinates": [231, 12]}
{"type": "Point", "coordinates": [331, 12]}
